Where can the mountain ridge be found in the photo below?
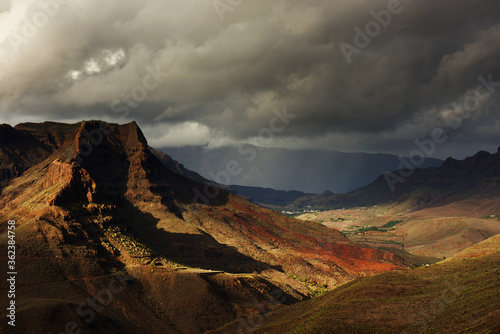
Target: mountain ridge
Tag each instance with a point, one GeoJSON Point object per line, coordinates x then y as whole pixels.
{"type": "Point", "coordinates": [282, 169]}
{"type": "Point", "coordinates": [455, 180]}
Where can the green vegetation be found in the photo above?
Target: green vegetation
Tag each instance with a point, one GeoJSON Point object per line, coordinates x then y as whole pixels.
{"type": "Point", "coordinates": [315, 288]}
{"type": "Point", "coordinates": [137, 249]}
{"type": "Point", "coordinates": [392, 223]}
{"type": "Point", "coordinates": [490, 217]}
{"type": "Point", "coordinates": [386, 227]}
{"type": "Point", "coordinates": [369, 228]}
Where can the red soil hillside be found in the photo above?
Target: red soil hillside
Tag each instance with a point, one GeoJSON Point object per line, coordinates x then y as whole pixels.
{"type": "Point", "coordinates": [458, 295]}
{"type": "Point", "coordinates": [92, 199]}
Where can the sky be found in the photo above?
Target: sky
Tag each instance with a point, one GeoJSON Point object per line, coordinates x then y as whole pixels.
{"type": "Point", "coordinates": [351, 75]}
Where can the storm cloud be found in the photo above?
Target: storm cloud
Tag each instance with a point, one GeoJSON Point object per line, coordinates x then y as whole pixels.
{"type": "Point", "coordinates": [356, 75]}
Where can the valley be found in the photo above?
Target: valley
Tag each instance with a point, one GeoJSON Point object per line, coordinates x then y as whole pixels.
{"type": "Point", "coordinates": [249, 167]}
{"type": "Point", "coordinates": [119, 242]}
{"type": "Point", "coordinates": [458, 295]}
{"type": "Point", "coordinates": [125, 210]}
{"type": "Point", "coordinates": [428, 234]}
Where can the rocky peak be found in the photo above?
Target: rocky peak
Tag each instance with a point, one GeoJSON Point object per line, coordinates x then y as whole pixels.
{"type": "Point", "coordinates": [68, 183]}
{"type": "Point", "coordinates": [481, 156]}
{"type": "Point", "coordinates": [7, 133]}
{"type": "Point", "coordinates": [326, 193]}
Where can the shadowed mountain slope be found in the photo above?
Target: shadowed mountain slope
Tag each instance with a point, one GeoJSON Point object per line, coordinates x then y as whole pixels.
{"type": "Point", "coordinates": [475, 177]}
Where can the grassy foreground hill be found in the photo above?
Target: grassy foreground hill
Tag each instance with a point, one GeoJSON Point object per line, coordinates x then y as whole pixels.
{"type": "Point", "coordinates": [458, 295]}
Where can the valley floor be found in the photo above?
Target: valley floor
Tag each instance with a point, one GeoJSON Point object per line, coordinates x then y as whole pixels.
{"type": "Point", "coordinates": [458, 294]}
{"type": "Point", "coordinates": [429, 234]}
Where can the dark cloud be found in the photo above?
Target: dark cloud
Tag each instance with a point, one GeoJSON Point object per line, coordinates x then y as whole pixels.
{"type": "Point", "coordinates": [190, 71]}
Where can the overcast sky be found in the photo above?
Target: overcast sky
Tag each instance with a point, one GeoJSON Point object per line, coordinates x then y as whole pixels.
{"type": "Point", "coordinates": [352, 75]}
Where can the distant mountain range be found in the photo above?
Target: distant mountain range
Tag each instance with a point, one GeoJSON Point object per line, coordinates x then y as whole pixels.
{"type": "Point", "coordinates": [268, 197]}
{"type": "Point", "coordinates": [455, 180]}
{"type": "Point", "coordinates": [308, 171]}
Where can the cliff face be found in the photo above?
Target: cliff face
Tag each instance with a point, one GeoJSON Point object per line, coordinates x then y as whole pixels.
{"type": "Point", "coordinates": [70, 182]}
{"type": "Point", "coordinates": [92, 198]}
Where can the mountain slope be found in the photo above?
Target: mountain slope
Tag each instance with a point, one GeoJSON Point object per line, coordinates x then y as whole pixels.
{"type": "Point", "coordinates": [26, 145]}
{"type": "Point", "coordinates": [474, 177]}
{"type": "Point", "coordinates": [96, 206]}
{"type": "Point", "coordinates": [459, 295]}
{"type": "Point", "coordinates": [283, 169]}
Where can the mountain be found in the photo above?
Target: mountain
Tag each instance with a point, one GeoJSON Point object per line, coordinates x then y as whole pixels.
{"type": "Point", "coordinates": [263, 196]}
{"type": "Point", "coordinates": [26, 145]}
{"type": "Point", "coordinates": [112, 236]}
{"type": "Point", "coordinates": [459, 295]}
{"type": "Point", "coordinates": [176, 167]}
{"type": "Point", "coordinates": [266, 196]}
{"type": "Point", "coordinates": [455, 180]}
{"type": "Point", "coordinates": [285, 169]}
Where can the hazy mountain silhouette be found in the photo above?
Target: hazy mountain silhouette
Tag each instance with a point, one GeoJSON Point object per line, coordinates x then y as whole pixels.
{"type": "Point", "coordinates": [309, 171]}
